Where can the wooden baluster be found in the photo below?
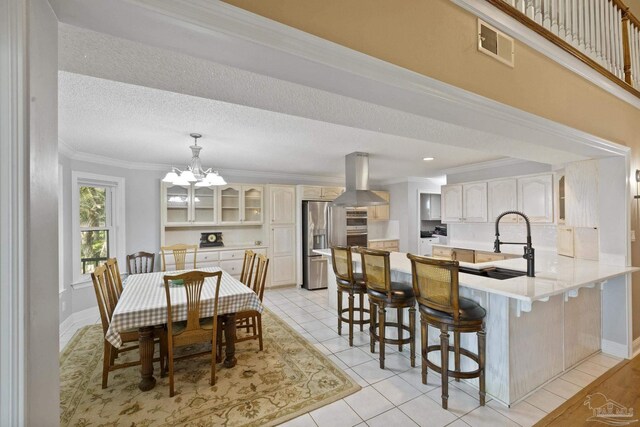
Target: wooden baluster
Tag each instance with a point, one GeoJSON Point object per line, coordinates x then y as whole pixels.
{"type": "Point", "coordinates": [553, 12]}
{"type": "Point", "coordinates": [614, 44]}
{"type": "Point", "coordinates": [530, 9]}
{"type": "Point", "coordinates": [546, 12]}
{"type": "Point", "coordinates": [625, 46]}
{"type": "Point", "coordinates": [561, 17]}
{"type": "Point", "coordinates": [597, 27]}
{"type": "Point", "coordinates": [580, 27]}
{"type": "Point", "coordinates": [587, 27]}
{"type": "Point", "coordinates": [538, 12]}
{"type": "Point", "coordinates": [594, 32]}
{"type": "Point", "coordinates": [603, 34]}
{"type": "Point", "coordinates": [522, 7]}
{"type": "Point", "coordinates": [607, 35]}
{"type": "Point", "coordinates": [619, 53]}
{"type": "Point", "coordinates": [574, 24]}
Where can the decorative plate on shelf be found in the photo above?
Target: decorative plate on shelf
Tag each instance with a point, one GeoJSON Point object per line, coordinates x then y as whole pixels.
{"type": "Point", "coordinates": [211, 239]}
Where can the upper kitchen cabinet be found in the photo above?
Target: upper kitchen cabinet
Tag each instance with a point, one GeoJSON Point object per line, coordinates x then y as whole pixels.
{"type": "Point", "coordinates": [451, 200]}
{"type": "Point", "coordinates": [379, 212]}
{"type": "Point", "coordinates": [430, 209]}
{"type": "Point", "coordinates": [502, 197]}
{"type": "Point", "coordinates": [283, 204]}
{"type": "Point", "coordinates": [241, 204]}
{"type": "Point", "coordinates": [581, 194]}
{"type": "Point", "coordinates": [188, 206]}
{"type": "Point", "coordinates": [464, 202]}
{"type": "Point", "coordinates": [310, 192]}
{"type": "Point", "coordinates": [535, 197]}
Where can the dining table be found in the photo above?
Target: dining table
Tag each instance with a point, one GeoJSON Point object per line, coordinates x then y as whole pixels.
{"type": "Point", "coordinates": [143, 305]}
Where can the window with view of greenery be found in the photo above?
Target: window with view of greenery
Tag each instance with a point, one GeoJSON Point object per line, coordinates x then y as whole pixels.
{"type": "Point", "coordinates": [95, 226]}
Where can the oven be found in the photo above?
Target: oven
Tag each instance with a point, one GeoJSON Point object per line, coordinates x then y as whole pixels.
{"type": "Point", "coordinates": [356, 227]}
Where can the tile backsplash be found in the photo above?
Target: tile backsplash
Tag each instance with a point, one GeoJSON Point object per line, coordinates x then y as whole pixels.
{"type": "Point", "coordinates": [481, 236]}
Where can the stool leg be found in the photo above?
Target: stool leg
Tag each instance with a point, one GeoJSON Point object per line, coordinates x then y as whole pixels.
{"type": "Point", "coordinates": [351, 302]}
{"type": "Point", "coordinates": [444, 365]}
{"type": "Point", "coordinates": [361, 311]}
{"type": "Point", "coordinates": [372, 325]}
{"type": "Point", "coordinates": [412, 335]}
{"type": "Point", "coordinates": [400, 321]}
{"type": "Point", "coordinates": [456, 353]}
{"type": "Point", "coordinates": [339, 312]}
{"type": "Point", "coordinates": [381, 313]}
{"type": "Point", "coordinates": [424, 341]}
{"type": "Point", "coordinates": [481, 358]}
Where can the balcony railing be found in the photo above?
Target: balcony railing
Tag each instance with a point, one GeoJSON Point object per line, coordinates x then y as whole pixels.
{"type": "Point", "coordinates": [602, 33]}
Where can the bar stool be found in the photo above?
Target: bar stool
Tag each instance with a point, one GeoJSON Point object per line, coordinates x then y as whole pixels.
{"type": "Point", "coordinates": [351, 283]}
{"type": "Point", "coordinates": [384, 293]}
{"type": "Point", "coordinates": [435, 284]}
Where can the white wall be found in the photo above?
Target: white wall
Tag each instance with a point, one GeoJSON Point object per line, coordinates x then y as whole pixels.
{"type": "Point", "coordinates": [405, 208]}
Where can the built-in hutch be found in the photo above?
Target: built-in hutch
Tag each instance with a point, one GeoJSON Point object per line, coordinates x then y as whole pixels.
{"type": "Point", "coordinates": [257, 217]}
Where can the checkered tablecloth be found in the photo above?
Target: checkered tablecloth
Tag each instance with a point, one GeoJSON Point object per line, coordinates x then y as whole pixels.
{"type": "Point", "coordinates": [144, 303]}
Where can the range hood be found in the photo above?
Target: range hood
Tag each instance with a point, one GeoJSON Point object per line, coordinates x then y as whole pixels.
{"type": "Point", "coordinates": [357, 183]}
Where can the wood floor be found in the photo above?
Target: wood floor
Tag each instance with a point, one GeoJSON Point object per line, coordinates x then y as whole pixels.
{"type": "Point", "coordinates": [615, 392]}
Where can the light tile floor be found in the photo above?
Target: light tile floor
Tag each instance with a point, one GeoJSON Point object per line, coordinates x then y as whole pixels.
{"type": "Point", "coordinates": [396, 396]}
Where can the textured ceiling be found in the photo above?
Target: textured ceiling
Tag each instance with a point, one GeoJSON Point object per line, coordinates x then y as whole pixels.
{"type": "Point", "coordinates": [141, 124]}
{"type": "Point", "coordinates": [136, 102]}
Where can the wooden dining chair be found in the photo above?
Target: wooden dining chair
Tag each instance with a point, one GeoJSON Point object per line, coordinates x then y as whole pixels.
{"type": "Point", "coordinates": [247, 266]}
{"type": "Point", "coordinates": [101, 285]}
{"type": "Point", "coordinates": [179, 252]}
{"type": "Point", "coordinates": [140, 262]}
{"type": "Point", "coordinates": [115, 279]}
{"type": "Point", "coordinates": [194, 330]}
{"type": "Point", "coordinates": [251, 320]}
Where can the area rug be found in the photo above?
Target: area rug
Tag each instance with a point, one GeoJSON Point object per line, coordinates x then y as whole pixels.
{"type": "Point", "coordinates": [266, 388]}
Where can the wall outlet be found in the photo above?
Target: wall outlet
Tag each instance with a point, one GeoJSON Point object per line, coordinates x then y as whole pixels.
{"type": "Point", "coordinates": [633, 235]}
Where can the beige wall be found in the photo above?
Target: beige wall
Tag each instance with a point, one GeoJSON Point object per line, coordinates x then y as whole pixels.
{"type": "Point", "coordinates": [438, 39]}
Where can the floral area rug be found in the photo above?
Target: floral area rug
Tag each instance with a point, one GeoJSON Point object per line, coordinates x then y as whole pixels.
{"type": "Point", "coordinates": [290, 377]}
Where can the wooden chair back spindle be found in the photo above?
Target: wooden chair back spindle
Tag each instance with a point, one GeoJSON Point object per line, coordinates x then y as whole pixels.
{"type": "Point", "coordinates": [179, 252]}
{"type": "Point", "coordinates": [260, 276]}
{"type": "Point", "coordinates": [247, 267]}
{"type": "Point", "coordinates": [100, 278]}
{"type": "Point", "coordinates": [115, 279]}
{"type": "Point", "coordinates": [140, 262]}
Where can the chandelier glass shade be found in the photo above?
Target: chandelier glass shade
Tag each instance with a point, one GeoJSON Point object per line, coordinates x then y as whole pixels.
{"type": "Point", "coordinates": [194, 173]}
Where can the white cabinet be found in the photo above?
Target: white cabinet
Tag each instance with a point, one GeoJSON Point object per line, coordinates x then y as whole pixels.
{"type": "Point", "coordinates": [241, 204]}
{"type": "Point", "coordinates": [430, 209]}
{"type": "Point", "coordinates": [502, 196]}
{"type": "Point", "coordinates": [535, 197]}
{"type": "Point", "coordinates": [283, 260]}
{"type": "Point", "coordinates": [379, 212]}
{"type": "Point", "coordinates": [464, 202]}
{"type": "Point", "coordinates": [321, 193]}
{"type": "Point", "coordinates": [451, 198]}
{"type": "Point", "coordinates": [426, 245]}
{"type": "Point", "coordinates": [474, 202]}
{"type": "Point", "coordinates": [282, 201]}
{"type": "Point", "coordinates": [188, 206]}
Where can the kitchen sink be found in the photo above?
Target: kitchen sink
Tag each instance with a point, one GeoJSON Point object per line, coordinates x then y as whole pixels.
{"type": "Point", "coordinates": [493, 272]}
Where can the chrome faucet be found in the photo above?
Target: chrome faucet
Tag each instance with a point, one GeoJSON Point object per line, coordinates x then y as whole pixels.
{"type": "Point", "coordinates": [529, 254]}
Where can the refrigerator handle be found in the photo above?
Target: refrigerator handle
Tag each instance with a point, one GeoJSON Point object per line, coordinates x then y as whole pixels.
{"type": "Point", "coordinates": [329, 227]}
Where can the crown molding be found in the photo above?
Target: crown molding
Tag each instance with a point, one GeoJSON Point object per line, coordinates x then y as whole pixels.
{"type": "Point", "coordinates": [483, 165]}
{"type": "Point", "coordinates": [65, 150]}
{"type": "Point", "coordinates": [512, 27]}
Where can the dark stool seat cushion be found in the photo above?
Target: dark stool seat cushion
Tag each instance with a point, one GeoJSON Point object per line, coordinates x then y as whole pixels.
{"type": "Point", "coordinates": [399, 291]}
{"type": "Point", "coordinates": [359, 284]}
{"type": "Point", "coordinates": [469, 310]}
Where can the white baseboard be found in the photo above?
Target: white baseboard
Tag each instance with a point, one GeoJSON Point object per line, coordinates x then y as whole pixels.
{"type": "Point", "coordinates": [636, 347]}
{"type": "Point", "coordinates": [78, 320]}
{"type": "Point", "coordinates": [615, 349]}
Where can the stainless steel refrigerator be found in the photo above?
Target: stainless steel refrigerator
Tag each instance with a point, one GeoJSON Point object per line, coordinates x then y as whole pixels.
{"type": "Point", "coordinates": [323, 226]}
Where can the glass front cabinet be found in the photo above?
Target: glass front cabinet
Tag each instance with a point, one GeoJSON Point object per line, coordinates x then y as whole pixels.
{"type": "Point", "coordinates": [241, 204]}
{"type": "Point", "coordinates": [186, 206]}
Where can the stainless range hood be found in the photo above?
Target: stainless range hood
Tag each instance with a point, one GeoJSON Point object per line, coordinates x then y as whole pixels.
{"type": "Point", "coordinates": [357, 183]}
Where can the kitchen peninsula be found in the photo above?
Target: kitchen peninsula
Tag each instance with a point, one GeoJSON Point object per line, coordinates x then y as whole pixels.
{"type": "Point", "coordinates": [537, 327]}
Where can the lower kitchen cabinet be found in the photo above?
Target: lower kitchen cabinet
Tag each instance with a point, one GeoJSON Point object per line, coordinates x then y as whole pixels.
{"type": "Point", "coordinates": [391, 245]}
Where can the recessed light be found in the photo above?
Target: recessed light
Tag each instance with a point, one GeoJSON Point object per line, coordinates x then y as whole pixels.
{"type": "Point", "coordinates": [427, 159]}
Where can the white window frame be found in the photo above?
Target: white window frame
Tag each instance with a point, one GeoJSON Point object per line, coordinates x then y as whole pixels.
{"type": "Point", "coordinates": [117, 212]}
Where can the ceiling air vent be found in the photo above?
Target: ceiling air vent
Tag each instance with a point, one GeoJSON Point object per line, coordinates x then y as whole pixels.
{"type": "Point", "coordinates": [495, 43]}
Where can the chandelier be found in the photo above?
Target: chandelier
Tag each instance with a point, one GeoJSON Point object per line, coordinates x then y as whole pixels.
{"type": "Point", "coordinates": [195, 172]}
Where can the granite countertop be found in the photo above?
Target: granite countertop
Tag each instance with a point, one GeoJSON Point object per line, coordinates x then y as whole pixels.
{"type": "Point", "coordinates": [554, 275]}
{"type": "Point", "coordinates": [383, 240]}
